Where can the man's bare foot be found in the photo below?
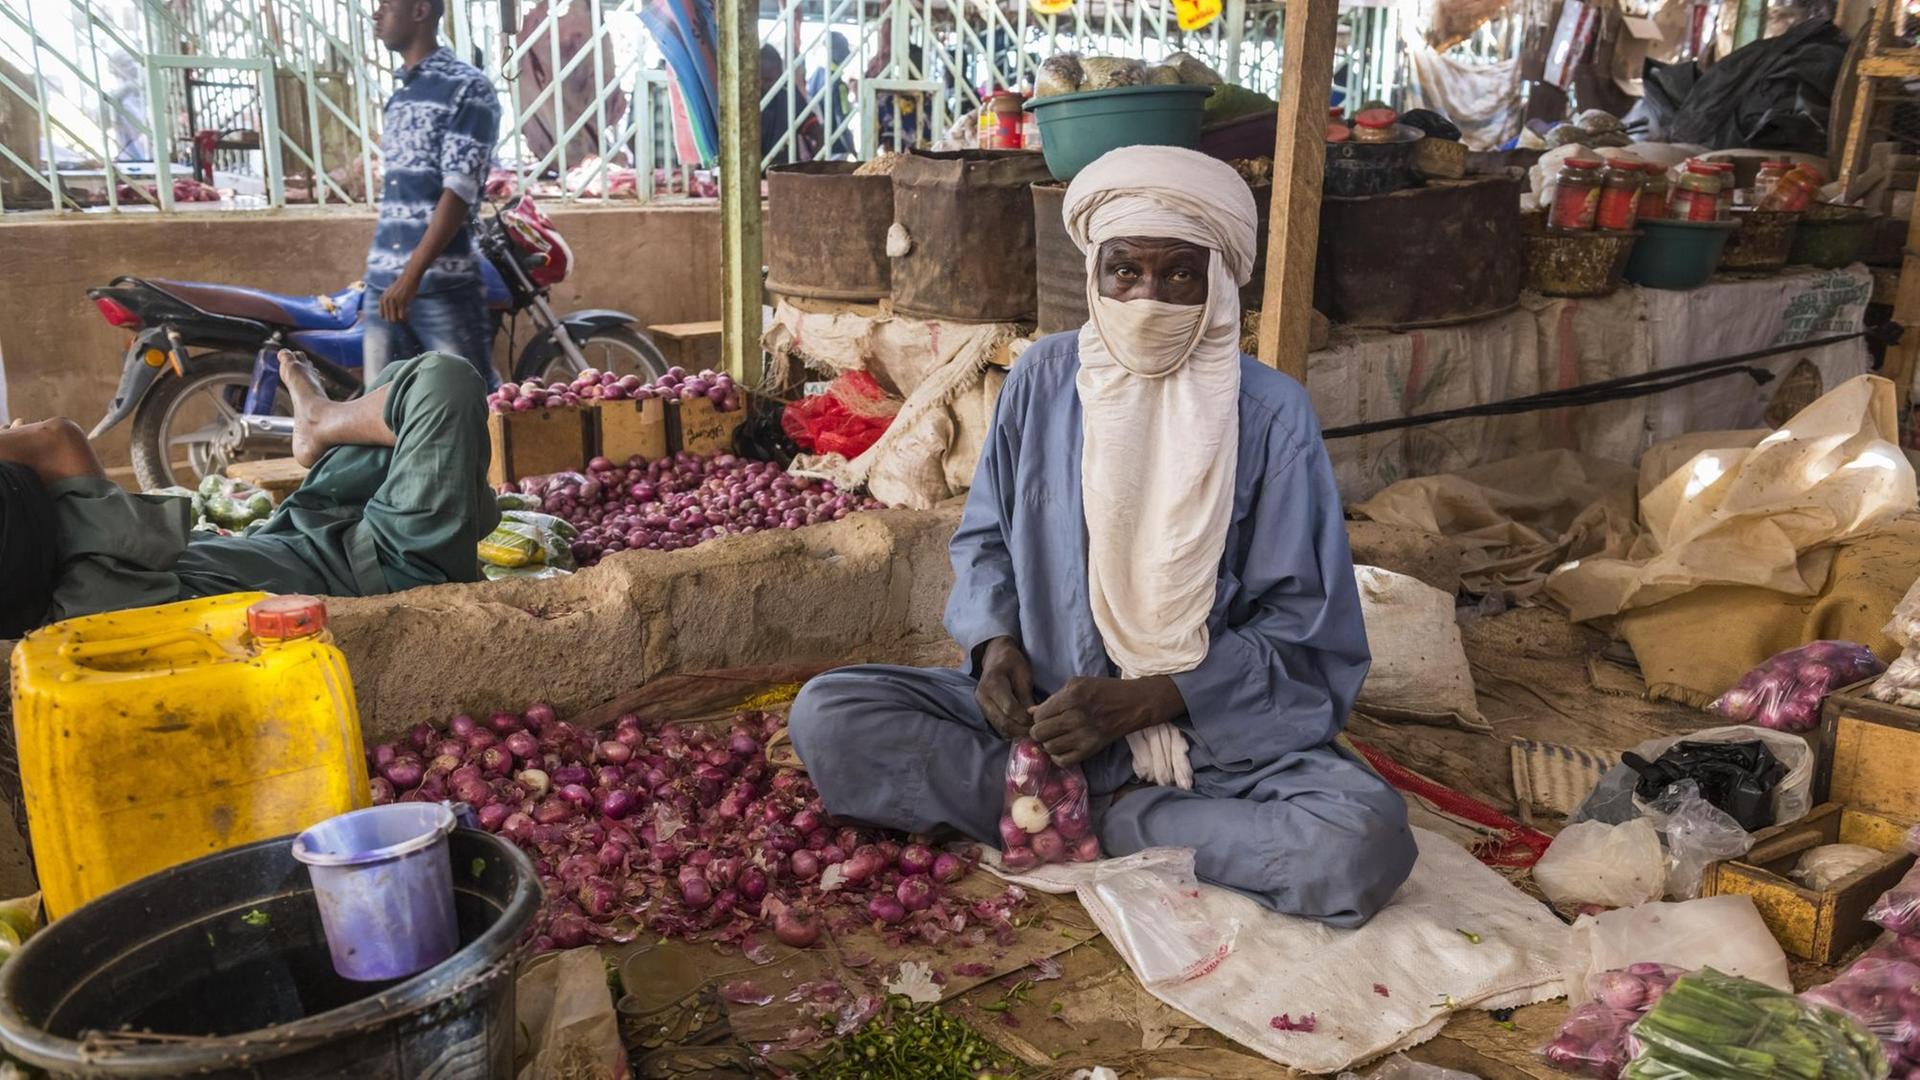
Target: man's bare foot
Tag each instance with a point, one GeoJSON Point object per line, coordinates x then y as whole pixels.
{"type": "Point", "coordinates": [310, 406]}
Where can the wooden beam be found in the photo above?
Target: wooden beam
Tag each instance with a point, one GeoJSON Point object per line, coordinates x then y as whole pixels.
{"type": "Point", "coordinates": [1893, 64]}
{"type": "Point", "coordinates": [1904, 358]}
{"type": "Point", "coordinates": [740, 266]}
{"type": "Point", "coordinates": [1299, 164]}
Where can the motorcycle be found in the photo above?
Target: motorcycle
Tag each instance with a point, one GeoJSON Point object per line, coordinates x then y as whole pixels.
{"type": "Point", "coordinates": [201, 378]}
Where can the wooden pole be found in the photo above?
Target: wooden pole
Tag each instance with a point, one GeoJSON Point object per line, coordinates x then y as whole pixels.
{"type": "Point", "coordinates": [740, 266]}
{"type": "Point", "coordinates": [1299, 162]}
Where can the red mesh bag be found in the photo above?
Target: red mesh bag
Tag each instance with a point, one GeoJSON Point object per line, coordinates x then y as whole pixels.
{"type": "Point", "coordinates": [846, 420]}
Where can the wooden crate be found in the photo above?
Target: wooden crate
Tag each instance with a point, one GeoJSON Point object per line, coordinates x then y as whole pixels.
{"type": "Point", "coordinates": [1868, 754]}
{"type": "Point", "coordinates": [539, 441]}
{"type": "Point", "coordinates": [278, 477]}
{"type": "Point", "coordinates": [1817, 925]}
{"type": "Point", "coordinates": [628, 428]}
{"type": "Point", "coordinates": [697, 427]}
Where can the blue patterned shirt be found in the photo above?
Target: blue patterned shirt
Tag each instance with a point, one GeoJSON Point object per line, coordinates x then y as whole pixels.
{"type": "Point", "coordinates": [436, 134]}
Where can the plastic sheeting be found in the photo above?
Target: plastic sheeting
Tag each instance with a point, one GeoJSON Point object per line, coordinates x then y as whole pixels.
{"type": "Point", "coordinates": [1482, 99]}
{"type": "Point", "coordinates": [1775, 94]}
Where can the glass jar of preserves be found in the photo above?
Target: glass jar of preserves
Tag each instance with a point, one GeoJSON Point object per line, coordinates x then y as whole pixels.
{"type": "Point", "coordinates": [1653, 193]}
{"type": "Point", "coordinates": [1620, 182]}
{"type": "Point", "coordinates": [1769, 178]}
{"type": "Point", "coordinates": [1001, 121]}
{"type": "Point", "coordinates": [1576, 195]}
{"type": "Point", "coordinates": [1696, 193]}
{"type": "Point", "coordinates": [1796, 190]}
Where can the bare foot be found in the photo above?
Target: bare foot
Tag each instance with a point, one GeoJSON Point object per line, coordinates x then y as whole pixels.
{"type": "Point", "coordinates": [310, 403]}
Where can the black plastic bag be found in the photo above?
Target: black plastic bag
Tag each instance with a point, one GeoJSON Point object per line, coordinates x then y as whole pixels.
{"type": "Point", "coordinates": [1736, 777]}
{"type": "Point", "coordinates": [1431, 123]}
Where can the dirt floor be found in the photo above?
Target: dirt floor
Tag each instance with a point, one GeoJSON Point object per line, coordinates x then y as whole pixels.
{"type": "Point", "coordinates": [1061, 999]}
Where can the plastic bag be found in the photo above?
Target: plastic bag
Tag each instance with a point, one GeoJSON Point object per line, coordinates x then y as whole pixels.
{"type": "Point", "coordinates": [1045, 818]}
{"type": "Point", "coordinates": [1612, 799]}
{"type": "Point", "coordinates": [1884, 996]}
{"type": "Point", "coordinates": [1898, 909]}
{"type": "Point", "coordinates": [846, 420]}
{"type": "Point", "coordinates": [1591, 862]}
{"type": "Point", "coordinates": [1737, 777]}
{"type": "Point", "coordinates": [1711, 1024]}
{"type": "Point", "coordinates": [527, 538]}
{"type": "Point", "coordinates": [1820, 868]}
{"type": "Point", "coordinates": [1592, 1041]}
{"type": "Point", "coordinates": [1722, 932]}
{"type": "Point", "coordinates": [1159, 922]}
{"type": "Point", "coordinates": [1785, 692]}
{"type": "Point", "coordinates": [1696, 833]}
{"type": "Point", "coordinates": [1900, 683]}
{"type": "Point", "coordinates": [1402, 1067]}
{"type": "Point", "coordinates": [231, 504]}
{"type": "Point", "coordinates": [564, 1018]}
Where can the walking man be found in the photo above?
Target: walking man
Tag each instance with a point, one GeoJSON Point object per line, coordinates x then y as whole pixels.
{"type": "Point", "coordinates": [436, 142]}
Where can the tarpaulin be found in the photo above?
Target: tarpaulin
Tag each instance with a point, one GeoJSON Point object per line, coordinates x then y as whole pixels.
{"type": "Point", "coordinates": [1775, 94]}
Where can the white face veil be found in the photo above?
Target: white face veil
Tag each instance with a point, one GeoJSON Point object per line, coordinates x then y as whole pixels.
{"type": "Point", "coordinates": [1159, 388]}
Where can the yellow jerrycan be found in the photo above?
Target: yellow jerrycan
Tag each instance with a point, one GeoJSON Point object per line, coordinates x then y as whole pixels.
{"type": "Point", "coordinates": [151, 737]}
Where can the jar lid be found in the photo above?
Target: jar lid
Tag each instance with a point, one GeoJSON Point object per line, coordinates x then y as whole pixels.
{"type": "Point", "coordinates": [1376, 118]}
{"type": "Point", "coordinates": [279, 618]}
{"type": "Point", "coordinates": [998, 95]}
{"type": "Point", "coordinates": [1338, 132]}
{"type": "Point", "coordinates": [1582, 162]}
{"type": "Point", "coordinates": [1627, 163]}
{"type": "Point", "coordinates": [1702, 168]}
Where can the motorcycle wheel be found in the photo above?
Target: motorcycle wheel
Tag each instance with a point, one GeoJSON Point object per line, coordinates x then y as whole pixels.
{"type": "Point", "coordinates": [174, 428]}
{"type": "Point", "coordinates": [619, 349]}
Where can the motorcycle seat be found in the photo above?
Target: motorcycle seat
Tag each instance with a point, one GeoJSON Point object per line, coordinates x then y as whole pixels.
{"type": "Point", "coordinates": [335, 311]}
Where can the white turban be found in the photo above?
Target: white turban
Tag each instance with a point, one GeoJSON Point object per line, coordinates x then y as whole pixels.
{"type": "Point", "coordinates": [1159, 388]}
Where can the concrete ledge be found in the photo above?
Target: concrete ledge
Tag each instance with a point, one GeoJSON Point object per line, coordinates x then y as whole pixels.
{"type": "Point", "coordinates": [870, 588]}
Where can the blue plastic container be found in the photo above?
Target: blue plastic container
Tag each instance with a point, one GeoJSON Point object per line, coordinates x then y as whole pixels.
{"type": "Point", "coordinates": [384, 885]}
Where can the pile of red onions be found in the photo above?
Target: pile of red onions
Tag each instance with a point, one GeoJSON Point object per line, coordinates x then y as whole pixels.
{"type": "Point", "coordinates": [683, 831]}
{"type": "Point", "coordinates": [593, 385]}
{"type": "Point", "coordinates": [676, 502]}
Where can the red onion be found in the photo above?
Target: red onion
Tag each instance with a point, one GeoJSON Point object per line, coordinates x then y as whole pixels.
{"type": "Point", "coordinates": [1011, 834]}
{"type": "Point", "coordinates": [612, 856]}
{"type": "Point", "coordinates": [382, 790]}
{"type": "Point", "coordinates": [832, 854]}
{"type": "Point", "coordinates": [570, 931]}
{"type": "Point", "coordinates": [889, 852]}
{"type": "Point", "coordinates": [503, 723]}
{"type": "Point", "coordinates": [517, 828]}
{"type": "Point", "coordinates": [461, 725]}
{"type": "Point", "coordinates": [403, 772]}
{"type": "Point", "coordinates": [947, 868]}
{"type": "Point", "coordinates": [915, 892]}
{"type": "Point", "coordinates": [887, 909]}
{"type": "Point", "coordinates": [1085, 849]}
{"type": "Point", "coordinates": [597, 897]}
{"type": "Point", "coordinates": [752, 883]}
{"type": "Point", "coordinates": [571, 774]}
{"type": "Point", "coordinates": [796, 927]}
{"type": "Point", "coordinates": [1019, 858]}
{"type": "Point", "coordinates": [614, 803]}
{"type": "Point", "coordinates": [1071, 819]}
{"type": "Point", "coordinates": [522, 745]}
{"type": "Point", "coordinates": [1048, 845]}
{"type": "Point", "coordinates": [805, 865]}
{"type": "Point", "coordinates": [383, 754]}
{"type": "Point", "coordinates": [744, 745]}
{"type": "Point", "coordinates": [495, 761]}
{"type": "Point", "coordinates": [807, 820]}
{"type": "Point", "coordinates": [694, 890]}
{"type": "Point", "coordinates": [538, 717]}
{"type": "Point", "coordinates": [551, 811]}
{"type": "Point", "coordinates": [865, 862]}
{"type": "Point", "coordinates": [916, 859]}
{"type": "Point", "coordinates": [576, 794]}
{"type": "Point", "coordinates": [420, 736]}
{"type": "Point", "coordinates": [615, 752]}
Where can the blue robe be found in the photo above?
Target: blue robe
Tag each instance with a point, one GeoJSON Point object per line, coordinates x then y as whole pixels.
{"type": "Point", "coordinates": [1277, 810]}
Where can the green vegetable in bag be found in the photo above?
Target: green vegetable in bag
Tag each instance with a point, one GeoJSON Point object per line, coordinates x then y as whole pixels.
{"type": "Point", "coordinates": [1713, 1026]}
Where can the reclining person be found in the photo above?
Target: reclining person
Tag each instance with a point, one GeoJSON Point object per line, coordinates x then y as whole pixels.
{"type": "Point", "coordinates": [397, 497]}
{"type": "Point", "coordinates": [1153, 551]}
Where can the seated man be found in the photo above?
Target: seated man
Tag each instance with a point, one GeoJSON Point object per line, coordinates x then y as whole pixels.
{"type": "Point", "coordinates": [1153, 551]}
{"type": "Point", "coordinates": [397, 497]}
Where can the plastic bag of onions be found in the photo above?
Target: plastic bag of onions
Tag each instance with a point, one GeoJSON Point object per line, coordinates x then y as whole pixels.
{"type": "Point", "coordinates": [1785, 692]}
{"type": "Point", "coordinates": [1045, 818]}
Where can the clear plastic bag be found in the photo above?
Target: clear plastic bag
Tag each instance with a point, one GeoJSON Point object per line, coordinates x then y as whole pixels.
{"type": "Point", "coordinates": [1712, 1024]}
{"type": "Point", "coordinates": [1156, 916]}
{"type": "Point", "coordinates": [1612, 799]}
{"type": "Point", "coordinates": [1591, 862]}
{"type": "Point", "coordinates": [528, 538]}
{"type": "Point", "coordinates": [1721, 932]}
{"type": "Point", "coordinates": [1634, 987]}
{"type": "Point", "coordinates": [1402, 1067]}
{"type": "Point", "coordinates": [1045, 818]}
{"type": "Point", "coordinates": [1696, 833]}
{"type": "Point", "coordinates": [1898, 909]}
{"type": "Point", "coordinates": [1820, 868]}
{"type": "Point", "coordinates": [1592, 1041]}
{"type": "Point", "coordinates": [1900, 683]}
{"type": "Point", "coordinates": [1884, 996]}
{"type": "Point", "coordinates": [1785, 692]}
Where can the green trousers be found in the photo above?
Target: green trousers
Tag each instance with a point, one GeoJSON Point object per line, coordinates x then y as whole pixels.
{"type": "Point", "coordinates": [367, 520]}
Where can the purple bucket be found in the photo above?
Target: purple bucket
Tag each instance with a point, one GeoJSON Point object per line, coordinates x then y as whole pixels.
{"type": "Point", "coordinates": [385, 888]}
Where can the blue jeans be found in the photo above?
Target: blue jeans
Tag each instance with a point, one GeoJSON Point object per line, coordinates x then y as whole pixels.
{"type": "Point", "coordinates": [453, 322]}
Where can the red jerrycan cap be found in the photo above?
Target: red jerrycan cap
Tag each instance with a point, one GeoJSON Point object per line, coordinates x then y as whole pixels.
{"type": "Point", "coordinates": [283, 617]}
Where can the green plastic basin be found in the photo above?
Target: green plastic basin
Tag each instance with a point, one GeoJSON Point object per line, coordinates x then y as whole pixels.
{"type": "Point", "coordinates": [1677, 254]}
{"type": "Point", "coordinates": [1075, 129]}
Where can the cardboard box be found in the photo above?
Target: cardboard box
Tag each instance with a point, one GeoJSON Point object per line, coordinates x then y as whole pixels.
{"type": "Point", "coordinates": [697, 427]}
{"type": "Point", "coordinates": [538, 442]}
{"type": "Point", "coordinates": [632, 427]}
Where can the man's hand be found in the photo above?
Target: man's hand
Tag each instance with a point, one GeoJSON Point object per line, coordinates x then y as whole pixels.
{"type": "Point", "coordinates": [1005, 693]}
{"type": "Point", "coordinates": [397, 297]}
{"type": "Point", "coordinates": [1089, 714]}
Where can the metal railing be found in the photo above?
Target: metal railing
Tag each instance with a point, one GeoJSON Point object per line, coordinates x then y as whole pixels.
{"type": "Point", "coordinates": [158, 104]}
